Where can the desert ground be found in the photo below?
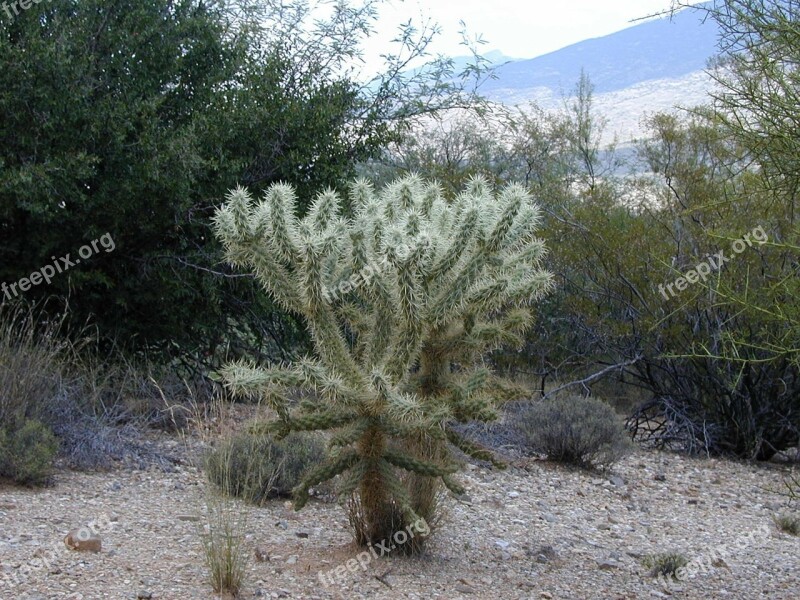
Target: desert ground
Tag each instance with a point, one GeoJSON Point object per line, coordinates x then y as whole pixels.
{"type": "Point", "coordinates": [535, 531]}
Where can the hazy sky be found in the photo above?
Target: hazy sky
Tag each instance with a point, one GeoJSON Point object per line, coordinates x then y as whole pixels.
{"type": "Point", "coordinates": [519, 28]}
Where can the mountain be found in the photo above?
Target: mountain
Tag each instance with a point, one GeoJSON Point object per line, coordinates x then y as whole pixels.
{"type": "Point", "coordinates": [493, 58]}
{"type": "Point", "coordinates": [661, 48]}
{"type": "Point", "coordinates": [652, 66]}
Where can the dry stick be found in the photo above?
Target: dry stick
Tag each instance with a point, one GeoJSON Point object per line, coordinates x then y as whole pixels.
{"type": "Point", "coordinates": [594, 376]}
{"type": "Point", "coordinates": [382, 578]}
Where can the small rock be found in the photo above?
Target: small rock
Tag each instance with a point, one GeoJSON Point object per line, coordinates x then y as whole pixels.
{"type": "Point", "coordinates": [282, 525]}
{"type": "Point", "coordinates": [545, 554]}
{"type": "Point", "coordinates": [546, 595]}
{"type": "Point", "coordinates": [549, 518]}
{"type": "Point", "coordinates": [292, 560]}
{"type": "Point", "coordinates": [617, 480]}
{"type": "Point", "coordinates": [144, 595]}
{"type": "Point", "coordinates": [261, 555]}
{"type": "Point", "coordinates": [608, 565]}
{"type": "Point", "coordinates": [463, 588]}
{"type": "Point", "coordinates": [659, 477]}
{"type": "Point", "coordinates": [191, 518]}
{"type": "Point", "coordinates": [83, 540]}
{"type": "Point", "coordinates": [502, 544]}
{"type": "Point", "coordinates": [301, 534]}
{"type": "Point", "coordinates": [720, 564]}
{"type": "Point", "coordinates": [691, 501]}
{"type": "Point", "coordinates": [513, 494]}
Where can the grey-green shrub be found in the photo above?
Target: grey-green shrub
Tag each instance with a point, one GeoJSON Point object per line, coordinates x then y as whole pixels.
{"type": "Point", "coordinates": [572, 429]}
{"type": "Point", "coordinates": [665, 564]}
{"type": "Point", "coordinates": [256, 467]}
{"type": "Point", "coordinates": [27, 453]}
{"type": "Point", "coordinates": [788, 523]}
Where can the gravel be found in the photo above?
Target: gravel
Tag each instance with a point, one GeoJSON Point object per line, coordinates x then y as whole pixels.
{"type": "Point", "coordinates": [536, 531]}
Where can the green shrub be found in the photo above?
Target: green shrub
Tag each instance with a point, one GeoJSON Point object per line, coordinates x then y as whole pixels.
{"type": "Point", "coordinates": [574, 430]}
{"type": "Point", "coordinates": [27, 453]}
{"type": "Point", "coordinates": [256, 467]}
{"type": "Point", "coordinates": [665, 564]}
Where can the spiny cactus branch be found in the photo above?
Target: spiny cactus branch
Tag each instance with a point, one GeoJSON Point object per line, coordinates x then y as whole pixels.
{"type": "Point", "coordinates": [402, 298]}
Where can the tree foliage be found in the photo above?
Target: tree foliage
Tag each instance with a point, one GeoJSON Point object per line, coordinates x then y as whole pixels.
{"type": "Point", "coordinates": [133, 118]}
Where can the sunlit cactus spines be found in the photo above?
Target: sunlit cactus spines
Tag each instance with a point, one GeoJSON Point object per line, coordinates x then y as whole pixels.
{"type": "Point", "coordinates": [402, 298]}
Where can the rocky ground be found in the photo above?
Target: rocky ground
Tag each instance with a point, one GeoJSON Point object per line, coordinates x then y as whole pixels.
{"type": "Point", "coordinates": [535, 531]}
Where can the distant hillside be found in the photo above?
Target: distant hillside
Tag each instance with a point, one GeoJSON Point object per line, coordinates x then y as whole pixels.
{"type": "Point", "coordinates": [657, 65]}
{"type": "Point", "coordinates": [657, 49]}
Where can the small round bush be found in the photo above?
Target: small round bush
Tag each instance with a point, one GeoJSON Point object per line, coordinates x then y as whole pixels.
{"type": "Point", "coordinates": [666, 564]}
{"type": "Point", "coordinates": [256, 467]}
{"type": "Point", "coordinates": [27, 453]}
{"type": "Point", "coordinates": [574, 430]}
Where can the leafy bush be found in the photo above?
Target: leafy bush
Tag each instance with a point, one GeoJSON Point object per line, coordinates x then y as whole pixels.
{"type": "Point", "coordinates": [574, 430]}
{"type": "Point", "coordinates": [665, 564]}
{"type": "Point", "coordinates": [27, 453]}
{"type": "Point", "coordinates": [256, 467]}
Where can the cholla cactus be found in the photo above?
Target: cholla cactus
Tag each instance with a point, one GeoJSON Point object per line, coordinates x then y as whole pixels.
{"type": "Point", "coordinates": [402, 298]}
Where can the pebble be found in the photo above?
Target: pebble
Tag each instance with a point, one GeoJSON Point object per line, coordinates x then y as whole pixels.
{"type": "Point", "coordinates": [189, 518]}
